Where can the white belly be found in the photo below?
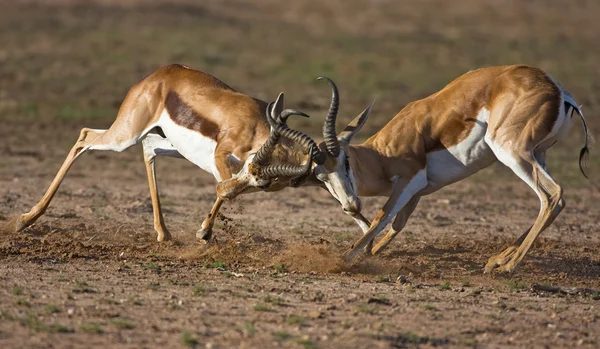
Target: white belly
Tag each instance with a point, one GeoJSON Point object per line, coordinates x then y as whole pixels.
{"type": "Point", "coordinates": [197, 148]}
{"type": "Point", "coordinates": [461, 160]}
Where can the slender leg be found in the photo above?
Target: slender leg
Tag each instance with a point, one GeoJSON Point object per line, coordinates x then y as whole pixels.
{"type": "Point", "coordinates": [397, 225]}
{"type": "Point", "coordinates": [86, 138]}
{"type": "Point", "coordinates": [205, 232]}
{"type": "Point", "coordinates": [222, 164]}
{"type": "Point", "coordinates": [530, 170]}
{"type": "Point", "coordinates": [364, 225]}
{"type": "Point", "coordinates": [402, 192]}
{"type": "Point", "coordinates": [152, 145]}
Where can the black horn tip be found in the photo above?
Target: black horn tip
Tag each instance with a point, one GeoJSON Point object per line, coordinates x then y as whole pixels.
{"type": "Point", "coordinates": [289, 112]}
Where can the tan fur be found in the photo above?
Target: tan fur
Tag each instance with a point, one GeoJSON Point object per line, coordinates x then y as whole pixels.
{"type": "Point", "coordinates": [524, 104]}
{"type": "Point", "coordinates": [445, 118]}
{"type": "Point", "coordinates": [194, 100]}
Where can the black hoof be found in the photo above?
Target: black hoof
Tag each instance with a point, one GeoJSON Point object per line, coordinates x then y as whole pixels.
{"type": "Point", "coordinates": [204, 234]}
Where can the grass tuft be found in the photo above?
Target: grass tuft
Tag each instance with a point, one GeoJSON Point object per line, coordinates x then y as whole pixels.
{"type": "Point", "coordinates": [188, 339]}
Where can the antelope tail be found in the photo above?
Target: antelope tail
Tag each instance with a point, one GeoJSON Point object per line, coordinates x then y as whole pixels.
{"type": "Point", "coordinates": [584, 153]}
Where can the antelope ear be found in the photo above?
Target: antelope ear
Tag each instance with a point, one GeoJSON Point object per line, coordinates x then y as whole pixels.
{"type": "Point", "coordinates": [355, 125]}
{"type": "Point", "coordinates": [278, 107]}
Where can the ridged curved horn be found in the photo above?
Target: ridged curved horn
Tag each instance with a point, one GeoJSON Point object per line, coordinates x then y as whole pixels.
{"type": "Point", "coordinates": [301, 138]}
{"type": "Point", "coordinates": [264, 152]}
{"type": "Point", "coordinates": [329, 134]}
{"type": "Point", "coordinates": [287, 170]}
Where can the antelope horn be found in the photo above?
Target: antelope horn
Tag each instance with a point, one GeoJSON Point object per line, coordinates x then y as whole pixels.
{"type": "Point", "coordinates": [297, 136]}
{"type": "Point", "coordinates": [287, 170]}
{"type": "Point", "coordinates": [329, 134]}
{"type": "Point", "coordinates": [264, 152]}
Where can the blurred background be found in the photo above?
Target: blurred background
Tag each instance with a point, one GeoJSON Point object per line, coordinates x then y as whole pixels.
{"type": "Point", "coordinates": [66, 64]}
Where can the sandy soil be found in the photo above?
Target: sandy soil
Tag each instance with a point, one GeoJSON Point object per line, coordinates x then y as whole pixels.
{"type": "Point", "coordinates": [90, 274]}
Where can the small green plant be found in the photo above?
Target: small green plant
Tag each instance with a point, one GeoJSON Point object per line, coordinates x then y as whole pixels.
{"type": "Point", "coordinates": [249, 328]}
{"type": "Point", "coordinates": [122, 324]}
{"type": "Point", "coordinates": [469, 342]}
{"type": "Point", "coordinates": [366, 309]}
{"type": "Point", "coordinates": [92, 328]}
{"type": "Point", "coordinates": [384, 278]}
{"type": "Point", "coordinates": [273, 300]}
{"type": "Point", "coordinates": [217, 264]}
{"type": "Point", "coordinates": [516, 285]}
{"type": "Point", "coordinates": [30, 320]}
{"type": "Point", "coordinates": [343, 237]}
{"type": "Point", "coordinates": [198, 291]}
{"type": "Point", "coordinates": [51, 309]}
{"type": "Point", "coordinates": [280, 268]}
{"type": "Point", "coordinates": [83, 287]}
{"type": "Point", "coordinates": [5, 316]}
{"type": "Point", "coordinates": [412, 338]}
{"type": "Point", "coordinates": [23, 302]}
{"type": "Point", "coordinates": [189, 339]}
{"type": "Point", "coordinates": [465, 283]}
{"type": "Point", "coordinates": [153, 267]}
{"type": "Point", "coordinates": [281, 335]}
{"type": "Point", "coordinates": [445, 286]}
{"type": "Point", "coordinates": [295, 320]}
{"type": "Point", "coordinates": [430, 307]}
{"type": "Point", "coordinates": [17, 290]}
{"type": "Point", "coordinates": [306, 343]}
{"type": "Point", "coordinates": [31, 109]}
{"type": "Point", "coordinates": [261, 307]}
{"type": "Point", "coordinates": [58, 328]}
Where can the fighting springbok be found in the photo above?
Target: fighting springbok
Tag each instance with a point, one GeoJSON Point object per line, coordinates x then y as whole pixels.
{"type": "Point", "coordinates": [512, 114]}
{"type": "Point", "coordinates": [201, 119]}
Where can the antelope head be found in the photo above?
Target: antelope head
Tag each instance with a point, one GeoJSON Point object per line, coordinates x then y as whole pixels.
{"type": "Point", "coordinates": [267, 169]}
{"type": "Point", "coordinates": [332, 164]}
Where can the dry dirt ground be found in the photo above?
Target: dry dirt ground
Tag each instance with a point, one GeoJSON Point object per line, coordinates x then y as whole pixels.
{"type": "Point", "coordinates": [89, 273]}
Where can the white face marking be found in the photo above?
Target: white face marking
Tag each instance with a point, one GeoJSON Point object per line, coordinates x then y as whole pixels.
{"type": "Point", "coordinates": [194, 146]}
{"type": "Point", "coordinates": [340, 183]}
{"type": "Point", "coordinates": [461, 160]}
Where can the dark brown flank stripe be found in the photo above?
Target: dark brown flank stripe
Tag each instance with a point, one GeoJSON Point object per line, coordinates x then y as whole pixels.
{"type": "Point", "coordinates": [184, 116]}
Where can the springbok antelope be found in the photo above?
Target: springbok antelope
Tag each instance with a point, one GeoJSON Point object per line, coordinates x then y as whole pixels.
{"type": "Point", "coordinates": [512, 114]}
{"type": "Point", "coordinates": [201, 119]}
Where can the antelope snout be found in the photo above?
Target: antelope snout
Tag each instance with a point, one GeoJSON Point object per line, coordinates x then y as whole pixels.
{"type": "Point", "coordinates": [352, 207]}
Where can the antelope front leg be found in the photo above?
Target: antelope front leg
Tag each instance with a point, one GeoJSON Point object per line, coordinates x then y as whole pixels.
{"type": "Point", "coordinates": [364, 225]}
{"type": "Point", "coordinates": [397, 225]}
{"type": "Point", "coordinates": [402, 192]}
{"type": "Point", "coordinates": [225, 172]}
{"type": "Point", "coordinates": [205, 233]}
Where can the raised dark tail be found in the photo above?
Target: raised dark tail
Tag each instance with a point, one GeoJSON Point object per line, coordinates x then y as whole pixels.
{"type": "Point", "coordinates": [584, 153]}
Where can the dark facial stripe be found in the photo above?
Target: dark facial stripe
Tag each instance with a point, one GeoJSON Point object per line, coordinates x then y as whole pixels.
{"type": "Point", "coordinates": [184, 116]}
